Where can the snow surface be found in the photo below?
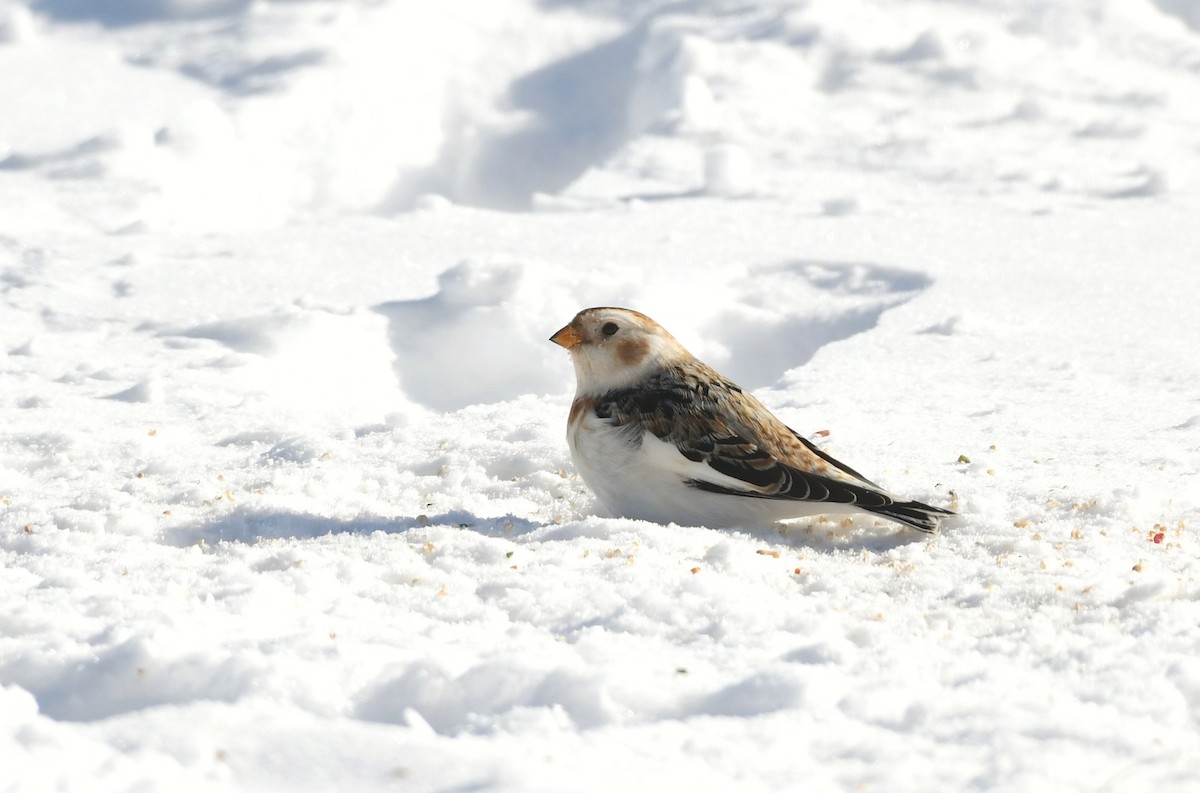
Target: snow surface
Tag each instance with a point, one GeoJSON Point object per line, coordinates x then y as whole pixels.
{"type": "Point", "coordinates": [285, 502]}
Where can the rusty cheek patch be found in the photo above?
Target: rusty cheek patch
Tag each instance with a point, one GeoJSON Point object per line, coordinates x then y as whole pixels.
{"type": "Point", "coordinates": [632, 351]}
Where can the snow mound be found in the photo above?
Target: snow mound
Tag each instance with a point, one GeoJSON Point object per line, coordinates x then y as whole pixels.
{"type": "Point", "coordinates": [311, 358]}
{"type": "Point", "coordinates": [480, 337]}
{"type": "Point", "coordinates": [16, 25]}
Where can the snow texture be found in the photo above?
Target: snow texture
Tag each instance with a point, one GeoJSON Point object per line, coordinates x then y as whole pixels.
{"type": "Point", "coordinates": [285, 499]}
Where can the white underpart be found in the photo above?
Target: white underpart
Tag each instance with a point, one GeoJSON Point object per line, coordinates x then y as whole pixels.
{"type": "Point", "coordinates": [649, 481]}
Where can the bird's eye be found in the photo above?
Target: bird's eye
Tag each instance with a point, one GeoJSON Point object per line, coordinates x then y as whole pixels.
{"type": "Point", "coordinates": [609, 328]}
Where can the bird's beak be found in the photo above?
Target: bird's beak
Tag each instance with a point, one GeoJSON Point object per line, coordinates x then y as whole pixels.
{"type": "Point", "coordinates": [568, 337]}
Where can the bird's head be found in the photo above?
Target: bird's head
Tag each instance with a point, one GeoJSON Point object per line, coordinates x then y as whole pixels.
{"type": "Point", "coordinates": [615, 348]}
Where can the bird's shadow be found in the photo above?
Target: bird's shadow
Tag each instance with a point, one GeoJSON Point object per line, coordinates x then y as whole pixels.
{"type": "Point", "coordinates": [250, 526]}
{"type": "Point", "coordinates": [835, 535]}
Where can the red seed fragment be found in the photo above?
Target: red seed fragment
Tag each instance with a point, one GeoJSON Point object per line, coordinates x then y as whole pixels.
{"type": "Point", "coordinates": [1159, 537]}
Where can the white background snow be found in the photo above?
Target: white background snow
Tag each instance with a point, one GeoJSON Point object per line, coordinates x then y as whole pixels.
{"type": "Point", "coordinates": [285, 502]}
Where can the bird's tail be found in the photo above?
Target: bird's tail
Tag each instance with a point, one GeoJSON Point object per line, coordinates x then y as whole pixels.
{"type": "Point", "coordinates": [914, 513]}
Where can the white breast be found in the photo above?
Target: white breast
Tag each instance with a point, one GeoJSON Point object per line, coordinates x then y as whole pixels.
{"type": "Point", "coordinates": [617, 471]}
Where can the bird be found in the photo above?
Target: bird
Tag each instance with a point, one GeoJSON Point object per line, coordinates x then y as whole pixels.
{"type": "Point", "coordinates": [660, 436]}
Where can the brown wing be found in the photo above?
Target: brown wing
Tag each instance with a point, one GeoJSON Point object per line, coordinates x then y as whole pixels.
{"type": "Point", "coordinates": [738, 446]}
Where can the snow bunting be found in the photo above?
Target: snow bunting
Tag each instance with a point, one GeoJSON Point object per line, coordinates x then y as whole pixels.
{"type": "Point", "coordinates": [661, 436]}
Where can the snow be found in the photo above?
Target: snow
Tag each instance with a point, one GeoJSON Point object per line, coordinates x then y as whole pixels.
{"type": "Point", "coordinates": [285, 498]}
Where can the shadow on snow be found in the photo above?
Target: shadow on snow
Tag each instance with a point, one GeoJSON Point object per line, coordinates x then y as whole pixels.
{"type": "Point", "coordinates": [253, 526]}
{"type": "Point", "coordinates": [250, 526]}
